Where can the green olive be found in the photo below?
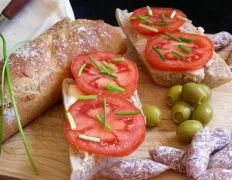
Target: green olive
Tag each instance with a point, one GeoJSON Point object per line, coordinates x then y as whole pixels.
{"type": "Point", "coordinates": [152, 114]}
{"type": "Point", "coordinates": [203, 113]}
{"type": "Point", "coordinates": [174, 94]}
{"type": "Point", "coordinates": [193, 93]}
{"type": "Point", "coordinates": [181, 111]}
{"type": "Point", "coordinates": [207, 90]}
{"type": "Point", "coordinates": [187, 129]}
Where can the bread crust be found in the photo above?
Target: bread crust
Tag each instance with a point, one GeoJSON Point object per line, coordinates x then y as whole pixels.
{"type": "Point", "coordinates": [214, 74]}
{"type": "Point", "coordinates": [38, 68]}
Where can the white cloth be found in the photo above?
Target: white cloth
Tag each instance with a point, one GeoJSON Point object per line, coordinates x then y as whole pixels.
{"type": "Point", "coordinates": [34, 19]}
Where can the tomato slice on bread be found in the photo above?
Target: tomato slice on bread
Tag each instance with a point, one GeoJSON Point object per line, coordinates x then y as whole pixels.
{"type": "Point", "coordinates": [102, 71]}
{"type": "Point", "coordinates": [178, 51]}
{"type": "Point", "coordinates": [160, 20]}
{"type": "Point", "coordinates": [126, 134]}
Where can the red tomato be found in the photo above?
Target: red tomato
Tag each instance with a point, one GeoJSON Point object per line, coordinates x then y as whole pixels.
{"type": "Point", "coordinates": [172, 24]}
{"type": "Point", "coordinates": [92, 82]}
{"type": "Point", "coordinates": [201, 52]}
{"type": "Point", "coordinates": [128, 131]}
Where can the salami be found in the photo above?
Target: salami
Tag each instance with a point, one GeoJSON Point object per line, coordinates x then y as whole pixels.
{"type": "Point", "coordinates": [134, 169]}
{"type": "Point", "coordinates": [203, 144]}
{"type": "Point", "coordinates": [216, 174]}
{"type": "Point", "coordinates": [172, 157]}
{"type": "Point", "coordinates": [220, 40]}
{"type": "Point", "coordinates": [222, 158]}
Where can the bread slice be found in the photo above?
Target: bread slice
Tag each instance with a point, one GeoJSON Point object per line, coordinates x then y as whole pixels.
{"type": "Point", "coordinates": [84, 165]}
{"type": "Point", "coordinates": [38, 68]}
{"type": "Point", "coordinates": [215, 73]}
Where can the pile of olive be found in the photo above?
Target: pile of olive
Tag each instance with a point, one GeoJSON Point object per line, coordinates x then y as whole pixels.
{"type": "Point", "coordinates": [190, 108]}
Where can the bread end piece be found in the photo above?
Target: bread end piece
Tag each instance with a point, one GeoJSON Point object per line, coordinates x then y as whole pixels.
{"type": "Point", "coordinates": [215, 74]}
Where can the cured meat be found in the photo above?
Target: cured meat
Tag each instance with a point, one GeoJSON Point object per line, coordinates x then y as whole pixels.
{"type": "Point", "coordinates": [203, 144]}
{"type": "Point", "coordinates": [220, 40]}
{"type": "Point", "coordinates": [216, 174]}
{"type": "Point", "coordinates": [134, 169]}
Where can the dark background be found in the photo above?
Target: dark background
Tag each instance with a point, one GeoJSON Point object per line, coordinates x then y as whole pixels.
{"type": "Point", "coordinates": [213, 15]}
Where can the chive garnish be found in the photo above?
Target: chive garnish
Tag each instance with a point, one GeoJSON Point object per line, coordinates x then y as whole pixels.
{"type": "Point", "coordinates": [143, 19]}
{"type": "Point", "coordinates": [149, 11]}
{"type": "Point", "coordinates": [71, 121]}
{"type": "Point", "coordinates": [161, 23]}
{"type": "Point", "coordinates": [163, 36]}
{"type": "Point", "coordinates": [158, 53]}
{"type": "Point", "coordinates": [187, 40]}
{"type": "Point", "coordinates": [148, 27]}
{"type": "Point", "coordinates": [178, 54]}
{"type": "Point", "coordinates": [100, 119]}
{"type": "Point", "coordinates": [184, 48]}
{"type": "Point", "coordinates": [89, 138]}
{"type": "Point", "coordinates": [163, 17]}
{"type": "Point", "coordinates": [94, 62]}
{"type": "Point", "coordinates": [81, 69]}
{"type": "Point", "coordinates": [114, 88]}
{"type": "Point", "coordinates": [109, 74]}
{"type": "Point", "coordinates": [87, 97]}
{"type": "Point", "coordinates": [173, 14]}
{"type": "Point", "coordinates": [6, 71]}
{"type": "Point", "coordinates": [110, 67]}
{"type": "Point", "coordinates": [173, 36]}
{"type": "Point", "coordinates": [104, 112]}
{"type": "Point", "coordinates": [118, 59]}
{"type": "Point", "coordinates": [185, 19]}
{"type": "Point", "coordinates": [136, 17]}
{"type": "Point", "coordinates": [122, 113]}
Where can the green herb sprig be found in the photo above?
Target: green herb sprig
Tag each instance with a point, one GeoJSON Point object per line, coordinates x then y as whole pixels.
{"type": "Point", "coordinates": [6, 71]}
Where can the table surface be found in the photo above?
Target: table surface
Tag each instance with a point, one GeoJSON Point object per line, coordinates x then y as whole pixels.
{"type": "Point", "coordinates": [50, 150]}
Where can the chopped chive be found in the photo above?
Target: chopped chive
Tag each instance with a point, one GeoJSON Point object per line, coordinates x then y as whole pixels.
{"type": "Point", "coordinates": [173, 14]}
{"type": "Point", "coordinates": [119, 59]}
{"type": "Point", "coordinates": [100, 119]}
{"type": "Point", "coordinates": [136, 17]}
{"type": "Point", "coordinates": [89, 138]}
{"type": "Point", "coordinates": [184, 48]}
{"type": "Point", "coordinates": [109, 74]}
{"type": "Point", "coordinates": [158, 53]}
{"type": "Point", "coordinates": [104, 112]}
{"type": "Point", "coordinates": [178, 54]}
{"type": "Point", "coordinates": [94, 62]}
{"type": "Point", "coordinates": [110, 67]}
{"type": "Point", "coordinates": [114, 88]}
{"type": "Point", "coordinates": [161, 23]}
{"type": "Point", "coordinates": [81, 69]}
{"type": "Point", "coordinates": [185, 19]}
{"type": "Point", "coordinates": [186, 40]}
{"type": "Point", "coordinates": [122, 113]}
{"type": "Point", "coordinates": [172, 36]}
{"type": "Point", "coordinates": [163, 36]}
{"type": "Point", "coordinates": [143, 19]}
{"type": "Point", "coordinates": [149, 11]}
{"type": "Point", "coordinates": [71, 121]}
{"type": "Point", "coordinates": [148, 27]}
{"type": "Point", "coordinates": [87, 97]}
{"type": "Point", "coordinates": [163, 17]}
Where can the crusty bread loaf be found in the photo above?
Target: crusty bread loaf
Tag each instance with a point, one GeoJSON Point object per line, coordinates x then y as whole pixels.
{"type": "Point", "coordinates": [38, 68]}
{"type": "Point", "coordinates": [214, 73]}
{"type": "Point", "coordinates": [84, 165]}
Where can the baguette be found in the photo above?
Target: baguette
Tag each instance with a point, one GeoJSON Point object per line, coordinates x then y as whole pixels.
{"type": "Point", "coordinates": [84, 165]}
{"type": "Point", "coordinates": [215, 73]}
{"type": "Point", "coordinates": [38, 68]}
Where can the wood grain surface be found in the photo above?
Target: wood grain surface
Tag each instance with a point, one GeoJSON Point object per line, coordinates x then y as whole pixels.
{"type": "Point", "coordinates": [50, 150]}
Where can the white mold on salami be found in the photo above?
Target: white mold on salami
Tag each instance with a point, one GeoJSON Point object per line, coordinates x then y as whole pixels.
{"type": "Point", "coordinates": [216, 174]}
{"type": "Point", "coordinates": [203, 144]}
{"type": "Point", "coordinates": [134, 169]}
{"type": "Point", "coordinates": [172, 157]}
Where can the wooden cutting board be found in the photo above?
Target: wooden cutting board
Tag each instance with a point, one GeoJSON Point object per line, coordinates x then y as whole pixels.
{"type": "Point", "coordinates": [50, 150]}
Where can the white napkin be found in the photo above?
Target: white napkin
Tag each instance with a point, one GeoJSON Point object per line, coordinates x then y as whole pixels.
{"type": "Point", "coordinates": [34, 19]}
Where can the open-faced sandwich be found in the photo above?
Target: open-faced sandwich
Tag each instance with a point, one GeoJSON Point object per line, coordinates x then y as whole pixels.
{"type": "Point", "coordinates": [104, 115]}
{"type": "Point", "coordinates": [171, 48]}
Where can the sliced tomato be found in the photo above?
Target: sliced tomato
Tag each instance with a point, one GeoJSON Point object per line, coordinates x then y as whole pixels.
{"type": "Point", "coordinates": [156, 21]}
{"type": "Point", "coordinates": [92, 81]}
{"type": "Point", "coordinates": [201, 52]}
{"type": "Point", "coordinates": [128, 131]}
